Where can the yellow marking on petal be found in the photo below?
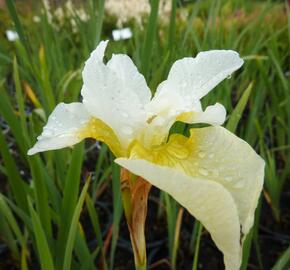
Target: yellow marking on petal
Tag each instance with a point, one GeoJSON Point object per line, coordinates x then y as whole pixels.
{"type": "Point", "coordinates": [100, 131]}
{"type": "Point", "coordinates": [214, 154]}
{"type": "Point", "coordinates": [184, 117]}
{"type": "Point", "coordinates": [172, 154]}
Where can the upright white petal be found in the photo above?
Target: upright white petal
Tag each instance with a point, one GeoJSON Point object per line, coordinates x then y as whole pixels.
{"type": "Point", "coordinates": [129, 75]}
{"type": "Point", "coordinates": [62, 127]}
{"type": "Point", "coordinates": [178, 97]}
{"type": "Point", "coordinates": [206, 200]}
{"type": "Point", "coordinates": [115, 93]}
{"type": "Point", "coordinates": [193, 78]}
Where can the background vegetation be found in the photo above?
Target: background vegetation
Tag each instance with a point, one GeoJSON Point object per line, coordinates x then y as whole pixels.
{"type": "Point", "coordinates": [62, 209]}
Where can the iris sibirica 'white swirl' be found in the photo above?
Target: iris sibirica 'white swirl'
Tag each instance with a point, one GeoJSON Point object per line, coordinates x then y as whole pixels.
{"type": "Point", "coordinates": [215, 175]}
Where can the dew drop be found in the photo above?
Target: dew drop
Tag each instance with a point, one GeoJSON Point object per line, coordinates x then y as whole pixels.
{"type": "Point", "coordinates": [201, 154]}
{"type": "Point", "coordinates": [48, 132]}
{"type": "Point", "coordinates": [203, 171]}
{"type": "Point", "coordinates": [159, 121]}
{"type": "Point", "coordinates": [228, 178]}
{"type": "Point", "coordinates": [215, 173]}
{"type": "Point", "coordinates": [202, 208]}
{"type": "Point", "coordinates": [180, 153]}
{"type": "Point", "coordinates": [239, 185]}
{"type": "Point", "coordinates": [127, 130]}
{"type": "Point", "coordinates": [229, 77]}
{"type": "Point", "coordinates": [125, 115]}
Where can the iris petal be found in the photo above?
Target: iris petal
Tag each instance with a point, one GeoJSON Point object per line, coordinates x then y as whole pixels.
{"type": "Point", "coordinates": [62, 127]}
{"type": "Point", "coordinates": [214, 154]}
{"type": "Point", "coordinates": [115, 93]}
{"type": "Point", "coordinates": [206, 200]}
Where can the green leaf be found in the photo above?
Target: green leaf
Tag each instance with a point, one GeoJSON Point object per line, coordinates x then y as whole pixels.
{"type": "Point", "coordinates": [97, 228]}
{"type": "Point", "coordinates": [284, 261]}
{"type": "Point", "coordinates": [149, 38]}
{"type": "Point", "coordinates": [7, 111]}
{"type": "Point", "coordinates": [239, 109]}
{"type": "Point", "coordinates": [18, 25]}
{"type": "Point", "coordinates": [43, 249]}
{"type": "Point", "coordinates": [73, 228]}
{"type": "Point", "coordinates": [7, 236]}
{"type": "Point", "coordinates": [20, 99]}
{"type": "Point", "coordinates": [118, 210]}
{"type": "Point", "coordinates": [198, 231]}
{"type": "Point", "coordinates": [16, 183]}
{"type": "Point", "coordinates": [70, 197]}
{"type": "Point", "coordinates": [41, 194]}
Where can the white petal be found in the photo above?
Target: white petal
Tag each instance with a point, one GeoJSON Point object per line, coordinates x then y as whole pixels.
{"type": "Point", "coordinates": [115, 93]}
{"type": "Point", "coordinates": [215, 154]}
{"type": "Point", "coordinates": [128, 74]}
{"type": "Point", "coordinates": [161, 116]}
{"type": "Point", "coordinates": [62, 127]}
{"type": "Point", "coordinates": [208, 201]}
{"type": "Point", "coordinates": [193, 78]}
{"type": "Point", "coordinates": [178, 98]}
{"type": "Point", "coordinates": [232, 162]}
{"type": "Point", "coordinates": [214, 115]}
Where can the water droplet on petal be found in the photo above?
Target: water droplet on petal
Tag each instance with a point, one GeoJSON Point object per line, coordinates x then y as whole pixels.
{"type": "Point", "coordinates": [228, 178]}
{"type": "Point", "coordinates": [47, 132]}
{"type": "Point", "coordinates": [159, 121]}
{"type": "Point", "coordinates": [125, 115]}
{"type": "Point", "coordinates": [215, 173]}
{"type": "Point", "coordinates": [201, 154]}
{"type": "Point", "coordinates": [127, 130]}
{"type": "Point", "coordinates": [180, 153]}
{"type": "Point", "coordinates": [239, 184]}
{"type": "Point", "coordinates": [229, 77]}
{"type": "Point", "coordinates": [203, 171]}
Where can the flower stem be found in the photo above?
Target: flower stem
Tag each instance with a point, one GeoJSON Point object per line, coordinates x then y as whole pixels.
{"type": "Point", "coordinates": [135, 192]}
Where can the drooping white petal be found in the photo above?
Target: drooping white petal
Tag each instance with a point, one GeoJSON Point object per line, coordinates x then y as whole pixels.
{"type": "Point", "coordinates": [62, 127]}
{"type": "Point", "coordinates": [225, 158]}
{"type": "Point", "coordinates": [208, 201]}
{"type": "Point", "coordinates": [215, 154]}
{"type": "Point", "coordinates": [115, 93]}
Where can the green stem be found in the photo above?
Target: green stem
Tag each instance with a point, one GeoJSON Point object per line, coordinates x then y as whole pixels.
{"type": "Point", "coordinates": [141, 267]}
{"type": "Point", "coordinates": [196, 252]}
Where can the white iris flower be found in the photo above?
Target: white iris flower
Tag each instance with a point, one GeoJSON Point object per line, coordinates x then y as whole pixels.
{"type": "Point", "coordinates": [215, 175]}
